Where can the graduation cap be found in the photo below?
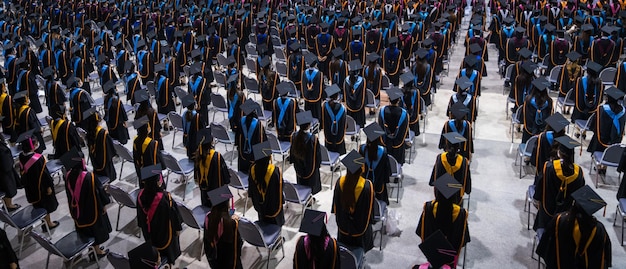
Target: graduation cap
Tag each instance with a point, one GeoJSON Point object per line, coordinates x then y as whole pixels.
{"type": "Point", "coordinates": [152, 172]}
{"type": "Point", "coordinates": [219, 195]}
{"type": "Point", "coordinates": [428, 42]}
{"type": "Point", "coordinates": [393, 40]}
{"type": "Point", "coordinates": [588, 200]}
{"type": "Point", "coordinates": [116, 42]}
{"type": "Point", "coordinates": [324, 26]}
{"type": "Point", "coordinates": [178, 34]}
{"type": "Point", "coordinates": [394, 93]}
{"type": "Point", "coordinates": [231, 60]}
{"type": "Point", "coordinates": [543, 18]}
{"type": "Point", "coordinates": [291, 31]}
{"type": "Point", "coordinates": [250, 106]}
{"type": "Point", "coordinates": [594, 67]}
{"type": "Point", "coordinates": [579, 19]}
{"type": "Point", "coordinates": [475, 48]}
{"type": "Point", "coordinates": [196, 53]}
{"type": "Point", "coordinates": [187, 100]}
{"type": "Point", "coordinates": [262, 150]}
{"type": "Point", "coordinates": [508, 20]}
{"type": "Point", "coordinates": [138, 123]}
{"type": "Point", "coordinates": [587, 27]}
{"type": "Point", "coordinates": [557, 122]}
{"type": "Point", "coordinates": [614, 93]}
{"type": "Point", "coordinates": [470, 60]}
{"type": "Point", "coordinates": [283, 88]}
{"type": "Point", "coordinates": [373, 131]}
{"type": "Point", "coordinates": [520, 29]}
{"type": "Point", "coordinates": [447, 185]}
{"type": "Point", "coordinates": [550, 27]}
{"type": "Point", "coordinates": [540, 83]}
{"type": "Point", "coordinates": [438, 250]}
{"type": "Point", "coordinates": [200, 39]}
{"type": "Point", "coordinates": [332, 90]}
{"type": "Point", "coordinates": [454, 138]}
{"type": "Point", "coordinates": [573, 56]}
{"type": "Point", "coordinates": [353, 161]}
{"type": "Point", "coordinates": [422, 53]}
{"type": "Point", "coordinates": [525, 53]}
{"type": "Point", "coordinates": [313, 222]}
{"type": "Point", "coordinates": [71, 158]}
{"type": "Point", "coordinates": [195, 68]}
{"type": "Point", "coordinates": [89, 112]}
{"type": "Point", "coordinates": [141, 96]}
{"type": "Point", "coordinates": [48, 72]}
{"type": "Point", "coordinates": [20, 95]}
{"type": "Point", "coordinates": [356, 20]}
{"type": "Point", "coordinates": [463, 82]}
{"type": "Point", "coordinates": [265, 61]}
{"type": "Point", "coordinates": [231, 39]}
{"type": "Point", "coordinates": [338, 52]}
{"type": "Point", "coordinates": [407, 78]}
{"type": "Point", "coordinates": [354, 65]}
{"type": "Point", "coordinates": [294, 46]}
{"type": "Point", "coordinates": [39, 43]}
{"type": "Point", "coordinates": [25, 135]}
{"type": "Point", "coordinates": [304, 117]}
{"type": "Point", "coordinates": [159, 67]}
{"type": "Point", "coordinates": [459, 111]}
{"type": "Point", "coordinates": [310, 59]}
{"type": "Point", "coordinates": [9, 46]}
{"type": "Point", "coordinates": [356, 34]}
{"type": "Point", "coordinates": [204, 136]}
{"type": "Point", "coordinates": [372, 57]}
{"type": "Point", "coordinates": [609, 29]}
{"type": "Point", "coordinates": [108, 86]}
{"type": "Point", "coordinates": [529, 67]}
{"type": "Point", "coordinates": [567, 142]}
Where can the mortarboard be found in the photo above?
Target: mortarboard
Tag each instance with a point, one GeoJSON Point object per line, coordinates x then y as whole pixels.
{"type": "Point", "coordinates": [470, 60]}
{"type": "Point", "coordinates": [324, 26]}
{"type": "Point", "coordinates": [20, 95]}
{"type": "Point", "coordinates": [152, 172]}
{"type": "Point", "coordinates": [332, 90]}
{"type": "Point", "coordinates": [422, 53]}
{"type": "Point", "coordinates": [393, 40]}
{"type": "Point", "coordinates": [232, 79]}
{"type": "Point", "coordinates": [594, 67]}
{"type": "Point", "coordinates": [540, 83]}
{"type": "Point", "coordinates": [550, 27]}
{"type": "Point", "coordinates": [159, 67]}
{"type": "Point", "coordinates": [116, 42]}
{"type": "Point", "coordinates": [407, 78]}
{"type": "Point", "coordinates": [219, 195]}
{"type": "Point", "coordinates": [262, 150]}
{"type": "Point", "coordinates": [508, 20]}
{"type": "Point", "coordinates": [187, 100]}
{"type": "Point", "coordinates": [71, 158]}
{"type": "Point", "coordinates": [567, 142]}
{"type": "Point", "coordinates": [138, 123]}
{"type": "Point", "coordinates": [588, 200]}
{"type": "Point", "coordinates": [520, 29]}
{"type": "Point", "coordinates": [373, 131]}
{"type": "Point", "coordinates": [447, 185]}
{"type": "Point", "coordinates": [265, 62]}
{"type": "Point", "coordinates": [283, 88]}
{"type": "Point", "coordinates": [394, 93]}
{"type": "Point", "coordinates": [195, 68]}
{"type": "Point", "coordinates": [356, 34]}
{"type": "Point", "coordinates": [231, 39]}
{"type": "Point", "coordinates": [438, 250]}
{"type": "Point", "coordinates": [529, 67]}
{"type": "Point", "coordinates": [428, 42]}
{"type": "Point", "coordinates": [525, 53]}
{"type": "Point", "coordinates": [205, 136]}
{"type": "Point", "coordinates": [231, 60]}
{"type": "Point", "coordinates": [475, 48]}
{"type": "Point", "coordinates": [89, 112]}
{"type": "Point", "coordinates": [304, 117]}
{"type": "Point", "coordinates": [25, 135]}
{"type": "Point", "coordinates": [614, 93]}
{"type": "Point", "coordinates": [587, 27]}
{"type": "Point", "coordinates": [459, 111]}
{"type": "Point", "coordinates": [557, 122]}
{"type": "Point", "coordinates": [573, 56]}
{"type": "Point", "coordinates": [454, 137]}
{"type": "Point", "coordinates": [338, 52]}
{"type": "Point", "coordinates": [141, 43]}
{"type": "Point", "coordinates": [463, 82]}
{"type": "Point", "coordinates": [609, 29]}
{"type": "Point", "coordinates": [313, 222]}
{"type": "Point", "coordinates": [141, 96]}
{"type": "Point", "coordinates": [250, 106]}
{"type": "Point", "coordinates": [108, 86]}
{"type": "Point", "coordinates": [372, 57]}
{"type": "Point", "coordinates": [48, 72]}
{"type": "Point", "coordinates": [354, 65]}
{"type": "Point", "coordinates": [151, 35]}
{"type": "Point", "coordinates": [196, 53]}
{"type": "Point", "coordinates": [310, 59]}
{"type": "Point", "coordinates": [294, 46]}
{"type": "Point", "coordinates": [353, 161]}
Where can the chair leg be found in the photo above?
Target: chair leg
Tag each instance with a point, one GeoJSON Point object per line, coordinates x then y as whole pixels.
{"type": "Point", "coordinates": [245, 207]}
{"type": "Point", "coordinates": [117, 223]}
{"type": "Point", "coordinates": [121, 169]}
{"type": "Point", "coordinates": [173, 138]}
{"type": "Point", "coordinates": [528, 218]}
{"type": "Point", "coordinates": [22, 235]}
{"type": "Point", "coordinates": [269, 253]}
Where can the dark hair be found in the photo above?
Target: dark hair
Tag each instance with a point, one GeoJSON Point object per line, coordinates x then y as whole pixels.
{"type": "Point", "coordinates": [348, 199]}
{"type": "Point", "coordinates": [445, 209]}
{"type": "Point", "coordinates": [420, 70]}
{"type": "Point", "coordinates": [372, 149]}
{"type": "Point", "coordinates": [260, 168]}
{"type": "Point", "coordinates": [219, 213]}
{"type": "Point", "coordinates": [567, 156]}
{"type": "Point", "coordinates": [92, 124]}
{"type": "Point", "coordinates": [299, 143]}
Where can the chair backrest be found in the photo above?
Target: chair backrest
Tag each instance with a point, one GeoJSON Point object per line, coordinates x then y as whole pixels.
{"type": "Point", "coordinates": [170, 162]}
{"type": "Point", "coordinates": [393, 164]}
{"type": "Point", "coordinates": [220, 78]}
{"type": "Point", "coordinates": [46, 244]}
{"type": "Point", "coordinates": [293, 90]}
{"type": "Point", "coordinates": [252, 37]}
{"type": "Point", "coordinates": [378, 209]}
{"type": "Point", "coordinates": [531, 144]}
{"type": "Point", "coordinates": [281, 68]}
{"type": "Point", "coordinates": [280, 53]}
{"type": "Point", "coordinates": [423, 106]}
{"type": "Point", "coordinates": [347, 258]}
{"type": "Point", "coordinates": [291, 194]}
{"type": "Point", "coordinates": [569, 96]}
{"type": "Point", "coordinates": [251, 84]}
{"type": "Point", "coordinates": [385, 84]}
{"type": "Point", "coordinates": [509, 72]}
{"type": "Point", "coordinates": [324, 153]}
{"type": "Point", "coordinates": [218, 100]}
{"type": "Point", "coordinates": [180, 92]}
{"type": "Point", "coordinates": [555, 72]}
{"type": "Point", "coordinates": [588, 123]}
{"type": "Point", "coordinates": [275, 40]}
{"type": "Point", "coordinates": [123, 152]}
{"type": "Point", "coordinates": [219, 132]}
{"type": "Point", "coordinates": [221, 59]}
{"type": "Point", "coordinates": [251, 47]}
{"type": "Point", "coordinates": [82, 134]}
{"type": "Point", "coordinates": [274, 143]}
{"type": "Point", "coordinates": [176, 120]}
{"type": "Point", "coordinates": [251, 233]}
{"type": "Point", "coordinates": [613, 153]}
{"type": "Point", "coordinates": [236, 181]}
{"type": "Point", "coordinates": [187, 216]}
{"type": "Point", "coordinates": [122, 196]}
{"type": "Point", "coordinates": [546, 58]}
{"type": "Point", "coordinates": [118, 261]}
{"type": "Point", "coordinates": [186, 70]}
{"type": "Point", "coordinates": [150, 88]}
{"type": "Point", "coordinates": [608, 75]}
{"type": "Point", "coordinates": [350, 125]}
{"type": "Point", "coordinates": [251, 65]}
{"type": "Point", "coordinates": [6, 218]}
{"type": "Point", "coordinates": [369, 98]}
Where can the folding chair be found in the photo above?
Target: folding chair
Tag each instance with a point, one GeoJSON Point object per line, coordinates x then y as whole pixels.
{"type": "Point", "coordinates": [380, 216]}
{"type": "Point", "coordinates": [525, 150]}
{"type": "Point", "coordinates": [514, 120]}
{"type": "Point", "coordinates": [239, 181]}
{"type": "Point", "coordinates": [370, 100]}
{"type": "Point", "coordinates": [279, 147]}
{"type": "Point", "coordinates": [177, 122]}
{"type": "Point", "coordinates": [69, 247]}
{"type": "Point", "coordinates": [353, 130]}
{"type": "Point", "coordinates": [385, 84]}
{"type": "Point", "coordinates": [56, 169]}
{"type": "Point", "coordinates": [330, 159]}
{"type": "Point", "coordinates": [251, 48]}
{"type": "Point", "coordinates": [582, 126]}
{"type": "Point", "coordinates": [183, 167]}
{"type": "Point", "coordinates": [567, 101]}
{"type": "Point", "coordinates": [530, 193]}
{"type": "Point", "coordinates": [223, 136]}
{"type": "Point", "coordinates": [280, 54]}
{"type": "Point", "coordinates": [297, 194]}
{"type": "Point", "coordinates": [125, 155]}
{"type": "Point", "coordinates": [251, 65]}
{"type": "Point", "coordinates": [24, 221]}
{"type": "Point", "coordinates": [620, 210]}
{"type": "Point", "coordinates": [262, 235]}
{"type": "Point", "coordinates": [507, 77]}
{"type": "Point", "coordinates": [281, 69]}
{"type": "Point", "coordinates": [607, 75]}
{"type": "Point", "coordinates": [219, 105]}
{"type": "Point", "coordinates": [194, 219]}
{"type": "Point", "coordinates": [123, 199]}
{"type": "Point", "coordinates": [554, 74]}
{"type": "Point", "coordinates": [397, 176]}
{"type": "Point", "coordinates": [220, 79]}
{"type": "Point", "coordinates": [603, 158]}
{"type": "Point", "coordinates": [351, 258]}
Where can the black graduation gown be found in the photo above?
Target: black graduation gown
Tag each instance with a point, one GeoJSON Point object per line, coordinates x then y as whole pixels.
{"type": "Point", "coordinates": [543, 150]}
{"type": "Point", "coordinates": [250, 135]}
{"type": "Point", "coordinates": [9, 181]}
{"type": "Point", "coordinates": [533, 116]}
{"type": "Point", "coordinates": [559, 48]}
{"type": "Point", "coordinates": [354, 98]}
{"type": "Point", "coordinates": [377, 171]}
{"type": "Point", "coordinates": [80, 69]}
{"type": "Point", "coordinates": [559, 249]}
{"type": "Point", "coordinates": [7, 255]}
{"type": "Point", "coordinates": [513, 45]}
{"type": "Point", "coordinates": [334, 124]}
{"type": "Point", "coordinates": [26, 82]}
{"type": "Point", "coordinates": [145, 66]}
{"type": "Point", "coordinates": [228, 250]}
{"type": "Point", "coordinates": [457, 233]}
{"type": "Point", "coordinates": [548, 191]}
{"type": "Point", "coordinates": [102, 153]}
{"type": "Point", "coordinates": [55, 96]}
{"type": "Point", "coordinates": [373, 78]}
{"type": "Point", "coordinates": [469, 101]}
{"type": "Point", "coordinates": [355, 226]}
{"type": "Point", "coordinates": [191, 128]}
{"type": "Point", "coordinates": [312, 91]}
{"type": "Point", "coordinates": [423, 82]}
{"type": "Point", "coordinates": [295, 63]}
{"type": "Point", "coordinates": [26, 121]}
{"type": "Point", "coordinates": [601, 51]}
{"type": "Point", "coordinates": [412, 104]}
{"type": "Point", "coordinates": [285, 125]}
{"type": "Point", "coordinates": [460, 170]}
{"type": "Point", "coordinates": [466, 149]}
{"type": "Point", "coordinates": [308, 169]}
{"type": "Point", "coordinates": [328, 259]}
{"type": "Point", "coordinates": [199, 87]}
{"type": "Point", "coordinates": [268, 201]}
{"type": "Point", "coordinates": [133, 84]}
{"type": "Point", "coordinates": [395, 121]}
{"type": "Point", "coordinates": [393, 64]}
{"type": "Point", "coordinates": [115, 117]}
{"type": "Point", "coordinates": [568, 78]}
{"type": "Point", "coordinates": [211, 173]}
{"type": "Point", "coordinates": [620, 77]}
{"type": "Point", "coordinates": [165, 99]}
{"type": "Point", "coordinates": [145, 153]}
{"type": "Point", "coordinates": [6, 110]}
{"type": "Point", "coordinates": [88, 222]}
{"type": "Point", "coordinates": [161, 230]}
{"type": "Point", "coordinates": [582, 46]}
{"type": "Point", "coordinates": [605, 133]}
{"type": "Point", "coordinates": [267, 85]}
{"type": "Point", "coordinates": [234, 111]}
{"type": "Point", "coordinates": [37, 180]}
{"type": "Point", "coordinates": [64, 137]}
{"type": "Point", "coordinates": [583, 106]}
{"type": "Point", "coordinates": [79, 103]}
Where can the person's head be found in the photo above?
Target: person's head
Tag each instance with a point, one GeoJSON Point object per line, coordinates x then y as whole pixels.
{"type": "Point", "coordinates": [28, 141]}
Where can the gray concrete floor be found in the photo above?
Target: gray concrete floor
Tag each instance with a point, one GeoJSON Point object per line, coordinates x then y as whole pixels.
{"type": "Point", "coordinates": [497, 222]}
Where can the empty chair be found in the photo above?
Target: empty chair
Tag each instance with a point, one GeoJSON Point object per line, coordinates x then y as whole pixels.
{"type": "Point", "coordinates": [281, 69]}
{"type": "Point", "coordinates": [220, 78]}
{"type": "Point", "coordinates": [608, 76]}
{"type": "Point", "coordinates": [125, 155]}
{"type": "Point", "coordinates": [330, 159]}
{"type": "Point", "coordinates": [385, 84]}
{"type": "Point", "coordinates": [280, 54]}
{"type": "Point", "coordinates": [219, 105]}
{"type": "Point", "coordinates": [279, 147]}
{"type": "Point", "coordinates": [620, 210]}
{"type": "Point", "coordinates": [380, 216]}
{"type": "Point", "coordinates": [69, 247]}
{"type": "Point", "coordinates": [349, 259]}
{"type": "Point", "coordinates": [251, 85]}
{"type": "Point", "coordinates": [262, 235]}
{"type": "Point", "coordinates": [297, 194]}
{"type": "Point", "coordinates": [24, 220]}
{"type": "Point", "coordinates": [180, 93]}
{"type": "Point", "coordinates": [223, 136]}
{"type": "Point", "coordinates": [610, 157]}
{"type": "Point", "coordinates": [221, 60]}
{"type": "Point", "coordinates": [507, 77]}
{"type": "Point", "coordinates": [151, 89]}
{"type": "Point", "coordinates": [530, 193]}
{"type": "Point", "coordinates": [397, 176]}
{"type": "Point", "coordinates": [123, 199]}
{"type": "Point", "coordinates": [582, 126]}
{"type": "Point", "coordinates": [563, 102]}
{"type": "Point", "coordinates": [370, 100]}
{"type": "Point", "coordinates": [194, 219]}
{"type": "Point", "coordinates": [56, 169]}
{"type": "Point", "coordinates": [353, 129]}
{"type": "Point", "coordinates": [239, 181]}
{"type": "Point", "coordinates": [251, 47]}
{"type": "Point", "coordinates": [554, 74]}
{"type": "Point", "coordinates": [251, 65]}
{"type": "Point", "coordinates": [177, 122]}
{"type": "Point", "coordinates": [276, 41]}
{"type": "Point", "coordinates": [525, 150]}
{"type": "Point", "coordinates": [183, 167]}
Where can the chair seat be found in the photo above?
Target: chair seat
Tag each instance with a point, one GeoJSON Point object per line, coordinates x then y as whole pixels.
{"type": "Point", "coordinates": [521, 148]}
{"type": "Point", "coordinates": [410, 137]}
{"type": "Point", "coordinates": [267, 114]}
{"type": "Point", "coordinates": [531, 192]}
{"type": "Point", "coordinates": [54, 166]}
{"type": "Point", "coordinates": [103, 180]}
{"type": "Point", "coordinates": [199, 213]}
{"type": "Point", "coordinates": [43, 122]}
{"type": "Point", "coordinates": [28, 216]}
{"type": "Point", "coordinates": [333, 158]}
{"type": "Point", "coordinates": [378, 214]}
{"type": "Point", "coordinates": [128, 108]}
{"type": "Point", "coordinates": [161, 116]}
{"type": "Point", "coordinates": [304, 192]}
{"type": "Point", "coordinates": [186, 165]}
{"type": "Point", "coordinates": [15, 151]}
{"type": "Point", "coordinates": [358, 253]}
{"type": "Point", "coordinates": [244, 181]}
{"type": "Point", "coordinates": [98, 101]}
{"type": "Point", "coordinates": [285, 146]}
{"type": "Point", "coordinates": [598, 156]}
{"type": "Point", "coordinates": [514, 118]}
{"type": "Point", "coordinates": [72, 243]}
{"type": "Point", "coordinates": [581, 124]}
{"type": "Point", "coordinates": [622, 206]}
{"type": "Point", "coordinates": [374, 105]}
{"type": "Point", "coordinates": [270, 232]}
{"type": "Point", "coordinates": [133, 195]}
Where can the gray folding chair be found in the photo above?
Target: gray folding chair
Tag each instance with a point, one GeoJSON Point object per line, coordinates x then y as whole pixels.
{"type": "Point", "coordinates": [239, 181]}
{"type": "Point", "coordinates": [219, 105]}
{"type": "Point", "coordinates": [607, 75]}
{"type": "Point", "coordinates": [194, 219]}
{"type": "Point", "coordinates": [251, 85]}
{"type": "Point", "coordinates": [177, 122]}
{"type": "Point", "coordinates": [620, 210]}
{"type": "Point", "coordinates": [56, 169]}
{"type": "Point", "coordinates": [530, 193]}
{"type": "Point", "coordinates": [606, 158]}
{"type": "Point", "coordinates": [525, 150]}
{"type": "Point", "coordinates": [385, 82]}
{"type": "Point", "coordinates": [24, 221]}
{"type": "Point", "coordinates": [223, 136]}
{"type": "Point", "coordinates": [262, 235]}
{"type": "Point", "coordinates": [330, 159]}
{"type": "Point", "coordinates": [350, 259]}
{"type": "Point", "coordinates": [353, 130]}
{"type": "Point", "coordinates": [183, 167]}
{"type": "Point", "coordinates": [220, 79]}
{"type": "Point", "coordinates": [566, 101]}
{"type": "Point", "coordinates": [118, 261]}
{"type": "Point", "coordinates": [397, 176]}
{"type": "Point", "coordinates": [297, 194]}
{"type": "Point", "coordinates": [123, 199]}
{"type": "Point", "coordinates": [279, 147]}
{"type": "Point", "coordinates": [125, 156]}
{"type": "Point", "coordinates": [380, 216]}
{"type": "Point", "coordinates": [370, 100]}
{"type": "Point", "coordinates": [251, 65]}
{"type": "Point", "coordinates": [515, 120]}
{"type": "Point", "coordinates": [281, 69]}
{"type": "Point", "coordinates": [69, 247]}
{"type": "Point", "coordinates": [507, 76]}
{"type": "Point", "coordinates": [582, 126]}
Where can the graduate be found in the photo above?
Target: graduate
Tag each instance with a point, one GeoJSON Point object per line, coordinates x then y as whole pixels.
{"type": "Point", "coordinates": [201, 90]}
{"type": "Point", "coordinates": [334, 121]}
{"type": "Point", "coordinates": [353, 205]}
{"type": "Point", "coordinates": [26, 119]}
{"type": "Point", "coordinates": [608, 124]}
{"type": "Point", "coordinates": [373, 75]}
{"type": "Point", "coordinates": [316, 249]}
{"type": "Point", "coordinates": [145, 109]}
{"type": "Point", "coordinates": [252, 133]}
{"type": "Point", "coordinates": [583, 41]}
{"type": "Point", "coordinates": [411, 102]}
{"type": "Point", "coordinates": [514, 45]}
{"type": "Point", "coordinates": [305, 153]}
{"type": "Point", "coordinates": [423, 76]}
{"type": "Point", "coordinates": [6, 109]}
{"type": "Point", "coordinates": [392, 61]}
{"type": "Point", "coordinates": [575, 238]}
{"type": "Point", "coordinates": [80, 68]}
{"type": "Point", "coordinates": [452, 163]}
{"type": "Point", "coordinates": [556, 183]}
{"type": "Point", "coordinates": [588, 92]}
{"type": "Point", "coordinates": [394, 120]}
{"type": "Point", "coordinates": [284, 113]}
{"type": "Point", "coordinates": [458, 123]}
{"type": "Point", "coordinates": [324, 43]}
{"type": "Point", "coordinates": [10, 179]}
{"type": "Point", "coordinates": [145, 149]}
{"type": "Point", "coordinates": [64, 134]}
{"type": "Point", "coordinates": [222, 242]}
{"type": "Point", "coordinates": [101, 150]}
{"type": "Point", "coordinates": [8, 259]}
{"type": "Point", "coordinates": [157, 215]}
{"type": "Point", "coordinates": [546, 149]}
{"type": "Point", "coordinates": [354, 87]}
{"type": "Point", "coordinates": [522, 85]}
{"type": "Point", "coordinates": [462, 96]}
{"type": "Point", "coordinates": [311, 87]}
{"type": "Point", "coordinates": [164, 98]}
{"type": "Point", "coordinates": [210, 170]}
{"type": "Point", "coordinates": [266, 186]}
{"type": "Point", "coordinates": [234, 100]}
{"type": "Point", "coordinates": [145, 62]}
{"type": "Point", "coordinates": [115, 114]}
{"type": "Point", "coordinates": [377, 167]}
{"type": "Point", "coordinates": [569, 75]}
{"type": "Point", "coordinates": [38, 184]}
{"type": "Point", "coordinates": [133, 82]}
{"type": "Point", "coordinates": [80, 101]}
{"type": "Point", "coordinates": [267, 79]}
{"type": "Point", "coordinates": [86, 200]}
{"type": "Point", "coordinates": [536, 109]}
{"type": "Point", "coordinates": [192, 124]}
{"type": "Point", "coordinates": [438, 250]}
{"type": "Point", "coordinates": [26, 82]}
{"type": "Point", "coordinates": [55, 96]}
{"type": "Point", "coordinates": [296, 64]}
{"type": "Point", "coordinates": [445, 216]}
{"type": "Point", "coordinates": [338, 68]}
{"type": "Point", "coordinates": [603, 48]}
{"type": "Point", "coordinates": [471, 71]}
